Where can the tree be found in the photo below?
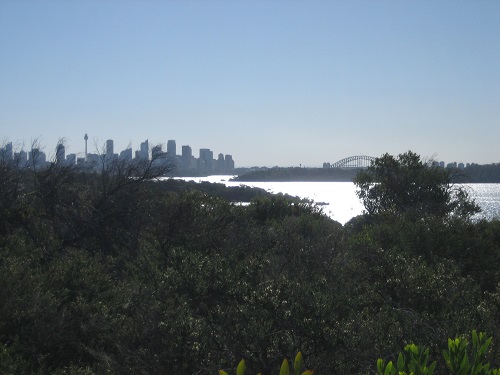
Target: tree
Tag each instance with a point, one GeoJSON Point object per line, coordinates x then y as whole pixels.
{"type": "Point", "coordinates": [408, 184]}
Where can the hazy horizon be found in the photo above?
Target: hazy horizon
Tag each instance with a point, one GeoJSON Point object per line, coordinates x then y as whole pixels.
{"type": "Point", "coordinates": [283, 83]}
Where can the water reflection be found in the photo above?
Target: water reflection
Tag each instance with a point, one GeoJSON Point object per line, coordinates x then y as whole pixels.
{"type": "Point", "coordinates": [339, 201]}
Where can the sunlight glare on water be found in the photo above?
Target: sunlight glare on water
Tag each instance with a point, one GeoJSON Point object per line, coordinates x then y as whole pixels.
{"type": "Point", "coordinates": [487, 196]}
{"type": "Point", "coordinates": [342, 204]}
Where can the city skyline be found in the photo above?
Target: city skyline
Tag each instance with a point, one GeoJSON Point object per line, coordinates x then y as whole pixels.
{"type": "Point", "coordinates": [98, 157]}
{"type": "Point", "coordinates": [283, 83]}
{"type": "Point", "coordinates": [106, 149]}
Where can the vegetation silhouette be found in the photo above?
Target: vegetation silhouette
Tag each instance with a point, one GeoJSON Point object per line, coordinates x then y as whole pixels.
{"type": "Point", "coordinates": [112, 272]}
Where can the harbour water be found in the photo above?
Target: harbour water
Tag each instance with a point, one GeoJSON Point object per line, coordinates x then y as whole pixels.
{"type": "Point", "coordinates": [339, 201]}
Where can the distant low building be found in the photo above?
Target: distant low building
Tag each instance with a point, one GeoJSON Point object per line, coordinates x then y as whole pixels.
{"type": "Point", "coordinates": [71, 159]}
{"type": "Point", "coordinates": [37, 158]}
{"type": "Point", "coordinates": [126, 155]}
{"type": "Point", "coordinates": [21, 158]}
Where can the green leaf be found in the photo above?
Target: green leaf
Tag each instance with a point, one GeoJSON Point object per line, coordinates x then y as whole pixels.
{"type": "Point", "coordinates": [450, 344]}
{"type": "Point", "coordinates": [446, 357]}
{"type": "Point", "coordinates": [222, 372]}
{"type": "Point", "coordinates": [432, 367]}
{"type": "Point", "coordinates": [380, 366]}
{"type": "Point", "coordinates": [484, 347]}
{"type": "Point", "coordinates": [308, 372]}
{"type": "Point", "coordinates": [285, 369]}
{"type": "Point", "coordinates": [462, 371]}
{"type": "Point", "coordinates": [388, 369]}
{"type": "Point", "coordinates": [299, 362]}
{"type": "Point", "coordinates": [241, 368]}
{"type": "Point", "coordinates": [464, 363]}
{"type": "Point", "coordinates": [401, 362]}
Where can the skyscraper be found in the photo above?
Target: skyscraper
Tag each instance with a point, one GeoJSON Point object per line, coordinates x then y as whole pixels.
{"type": "Point", "coordinates": [187, 155]}
{"type": "Point", "coordinates": [206, 159]}
{"type": "Point", "coordinates": [171, 148]}
{"type": "Point", "coordinates": [156, 152]}
{"type": "Point", "coordinates": [220, 162]}
{"type": "Point", "coordinates": [229, 162]}
{"type": "Point", "coordinates": [109, 149]}
{"type": "Point", "coordinates": [21, 157]}
{"type": "Point", "coordinates": [60, 154]}
{"type": "Point", "coordinates": [8, 151]}
{"type": "Point", "coordinates": [145, 150]}
{"type": "Point", "coordinates": [37, 157]}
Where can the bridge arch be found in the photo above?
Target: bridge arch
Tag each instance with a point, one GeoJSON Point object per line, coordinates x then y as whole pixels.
{"type": "Point", "coordinates": [358, 161]}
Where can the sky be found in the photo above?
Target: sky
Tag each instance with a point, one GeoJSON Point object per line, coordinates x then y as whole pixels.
{"type": "Point", "coordinates": [271, 82]}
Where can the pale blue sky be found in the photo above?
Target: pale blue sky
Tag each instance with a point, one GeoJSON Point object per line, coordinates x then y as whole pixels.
{"type": "Point", "coordinates": [270, 82]}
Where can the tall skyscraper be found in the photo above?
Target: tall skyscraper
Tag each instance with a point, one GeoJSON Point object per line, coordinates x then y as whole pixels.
{"type": "Point", "coordinates": [171, 148]}
{"type": "Point", "coordinates": [109, 149]}
{"type": "Point", "coordinates": [145, 150]}
{"type": "Point", "coordinates": [229, 162]}
{"type": "Point", "coordinates": [8, 151]}
{"type": "Point", "coordinates": [220, 162]}
{"type": "Point", "coordinates": [60, 154]}
{"type": "Point", "coordinates": [187, 155]}
{"type": "Point", "coordinates": [205, 161]}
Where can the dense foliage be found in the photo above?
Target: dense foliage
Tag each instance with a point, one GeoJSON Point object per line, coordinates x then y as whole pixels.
{"type": "Point", "coordinates": [461, 358]}
{"type": "Point", "coordinates": [241, 193]}
{"type": "Point", "coordinates": [284, 370]}
{"type": "Point", "coordinates": [298, 174]}
{"type": "Point", "coordinates": [108, 273]}
{"type": "Point", "coordinates": [406, 184]}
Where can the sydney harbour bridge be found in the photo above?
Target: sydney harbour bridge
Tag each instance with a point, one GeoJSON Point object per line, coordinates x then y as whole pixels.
{"type": "Point", "coordinates": [358, 161]}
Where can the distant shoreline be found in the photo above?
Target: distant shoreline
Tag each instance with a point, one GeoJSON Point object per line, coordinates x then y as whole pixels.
{"type": "Point", "coordinates": [299, 174]}
{"type": "Point", "coordinates": [476, 174]}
